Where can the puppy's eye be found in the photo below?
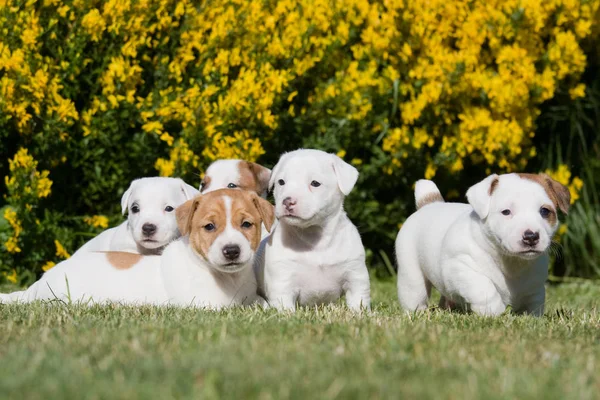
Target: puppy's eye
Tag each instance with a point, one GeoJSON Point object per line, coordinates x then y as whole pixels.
{"type": "Point", "coordinates": [545, 212]}
{"type": "Point", "coordinates": [202, 185]}
{"type": "Point", "coordinates": [246, 224]}
{"type": "Point", "coordinates": [506, 212]}
{"type": "Point", "coordinates": [209, 227]}
{"type": "Point", "coordinates": [315, 184]}
{"type": "Point", "coordinates": [169, 208]}
{"type": "Point", "coordinates": [135, 209]}
{"type": "Point", "coordinates": [281, 182]}
{"type": "Point", "coordinates": [232, 186]}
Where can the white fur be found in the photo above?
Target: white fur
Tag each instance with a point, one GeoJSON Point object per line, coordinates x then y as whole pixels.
{"type": "Point", "coordinates": [315, 254]}
{"type": "Point", "coordinates": [152, 196]}
{"type": "Point", "coordinates": [226, 174]}
{"type": "Point", "coordinates": [223, 174]}
{"type": "Point", "coordinates": [179, 276]}
{"type": "Point", "coordinates": [473, 254]}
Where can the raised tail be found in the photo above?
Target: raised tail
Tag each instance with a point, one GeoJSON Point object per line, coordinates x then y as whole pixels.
{"type": "Point", "coordinates": [426, 192]}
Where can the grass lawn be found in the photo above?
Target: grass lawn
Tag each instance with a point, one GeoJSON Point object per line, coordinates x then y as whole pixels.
{"type": "Point", "coordinates": [74, 352]}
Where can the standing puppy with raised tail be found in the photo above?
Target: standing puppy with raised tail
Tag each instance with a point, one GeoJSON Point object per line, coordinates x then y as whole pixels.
{"type": "Point", "coordinates": [315, 253]}
{"type": "Point", "coordinates": [485, 255]}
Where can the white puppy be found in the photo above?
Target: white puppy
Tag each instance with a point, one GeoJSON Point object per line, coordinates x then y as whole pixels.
{"type": "Point", "coordinates": [485, 255]}
{"type": "Point", "coordinates": [314, 255]}
{"type": "Point", "coordinates": [233, 174]}
{"type": "Point", "coordinates": [210, 268]}
{"type": "Point", "coordinates": [151, 223]}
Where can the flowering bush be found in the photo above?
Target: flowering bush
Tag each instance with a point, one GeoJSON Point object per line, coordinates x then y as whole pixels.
{"type": "Point", "coordinates": [101, 92]}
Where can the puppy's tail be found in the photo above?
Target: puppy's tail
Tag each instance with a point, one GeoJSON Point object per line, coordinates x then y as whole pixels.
{"type": "Point", "coordinates": [426, 192]}
{"type": "Point", "coordinates": [6, 298]}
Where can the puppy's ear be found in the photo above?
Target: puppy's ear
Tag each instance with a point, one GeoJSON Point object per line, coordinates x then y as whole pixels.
{"type": "Point", "coordinates": [275, 171]}
{"type": "Point", "coordinates": [262, 174]}
{"type": "Point", "coordinates": [125, 197]}
{"type": "Point", "coordinates": [558, 193]}
{"type": "Point", "coordinates": [189, 192]}
{"type": "Point", "coordinates": [265, 209]}
{"type": "Point", "coordinates": [184, 215]}
{"type": "Point", "coordinates": [480, 195]}
{"type": "Point", "coordinates": [345, 173]}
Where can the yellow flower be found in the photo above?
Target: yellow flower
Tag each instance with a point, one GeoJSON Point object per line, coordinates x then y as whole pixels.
{"type": "Point", "coordinates": [60, 250]}
{"type": "Point", "coordinates": [12, 277]}
{"type": "Point", "coordinates": [97, 221]}
{"type": "Point", "coordinates": [48, 265]}
{"type": "Point", "coordinates": [341, 153]}
{"type": "Point", "coordinates": [577, 92]}
{"type": "Point", "coordinates": [94, 24]}
{"type": "Point", "coordinates": [430, 171]}
{"type": "Point", "coordinates": [11, 245]}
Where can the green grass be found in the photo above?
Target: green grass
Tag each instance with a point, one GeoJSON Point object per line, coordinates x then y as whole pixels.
{"type": "Point", "coordinates": [59, 351]}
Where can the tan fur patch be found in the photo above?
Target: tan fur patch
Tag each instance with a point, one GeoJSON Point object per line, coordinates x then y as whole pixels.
{"type": "Point", "coordinates": [494, 185]}
{"type": "Point", "coordinates": [122, 260]}
{"type": "Point", "coordinates": [558, 193]}
{"type": "Point", "coordinates": [242, 211]}
{"type": "Point", "coordinates": [205, 183]}
{"type": "Point", "coordinates": [552, 217]}
{"type": "Point", "coordinates": [430, 198]}
{"type": "Point", "coordinates": [253, 177]}
{"type": "Point", "coordinates": [210, 210]}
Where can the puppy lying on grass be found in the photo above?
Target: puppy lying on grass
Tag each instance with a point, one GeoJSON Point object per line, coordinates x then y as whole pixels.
{"type": "Point", "coordinates": [150, 204]}
{"type": "Point", "coordinates": [211, 266]}
{"type": "Point", "coordinates": [485, 255]}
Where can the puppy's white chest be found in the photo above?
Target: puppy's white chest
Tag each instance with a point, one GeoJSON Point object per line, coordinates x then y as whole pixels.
{"type": "Point", "coordinates": [318, 283]}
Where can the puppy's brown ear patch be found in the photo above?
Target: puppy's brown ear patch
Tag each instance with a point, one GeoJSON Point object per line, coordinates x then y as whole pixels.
{"type": "Point", "coordinates": [266, 211]}
{"type": "Point", "coordinates": [122, 260]}
{"type": "Point", "coordinates": [558, 193]}
{"type": "Point", "coordinates": [254, 177]}
{"type": "Point", "coordinates": [494, 185]}
{"type": "Point", "coordinates": [184, 215]}
{"type": "Point", "coordinates": [205, 183]}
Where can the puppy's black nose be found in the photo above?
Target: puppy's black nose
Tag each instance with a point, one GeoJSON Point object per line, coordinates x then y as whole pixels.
{"type": "Point", "coordinates": [288, 202]}
{"type": "Point", "coordinates": [148, 229]}
{"type": "Point", "coordinates": [231, 251]}
{"type": "Point", "coordinates": [531, 238]}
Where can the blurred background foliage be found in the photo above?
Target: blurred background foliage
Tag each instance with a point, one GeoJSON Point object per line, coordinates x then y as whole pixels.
{"type": "Point", "coordinates": [96, 93]}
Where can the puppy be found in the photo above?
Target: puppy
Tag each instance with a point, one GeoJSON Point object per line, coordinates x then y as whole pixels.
{"type": "Point", "coordinates": [151, 223]}
{"type": "Point", "coordinates": [212, 267]}
{"type": "Point", "coordinates": [485, 255]}
{"type": "Point", "coordinates": [314, 255]}
{"type": "Point", "coordinates": [233, 174]}
{"type": "Point", "coordinates": [240, 174]}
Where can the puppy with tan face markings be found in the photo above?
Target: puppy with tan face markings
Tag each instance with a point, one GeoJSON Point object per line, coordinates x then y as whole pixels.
{"type": "Point", "coordinates": [315, 254]}
{"type": "Point", "coordinates": [210, 267]}
{"type": "Point", "coordinates": [232, 174]}
{"type": "Point", "coordinates": [485, 255]}
{"type": "Point", "coordinates": [237, 174]}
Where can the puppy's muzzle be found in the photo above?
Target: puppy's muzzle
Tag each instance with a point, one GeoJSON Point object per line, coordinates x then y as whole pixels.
{"type": "Point", "coordinates": [289, 204]}
{"type": "Point", "coordinates": [231, 252]}
{"type": "Point", "coordinates": [148, 229]}
{"type": "Point", "coordinates": [531, 238]}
